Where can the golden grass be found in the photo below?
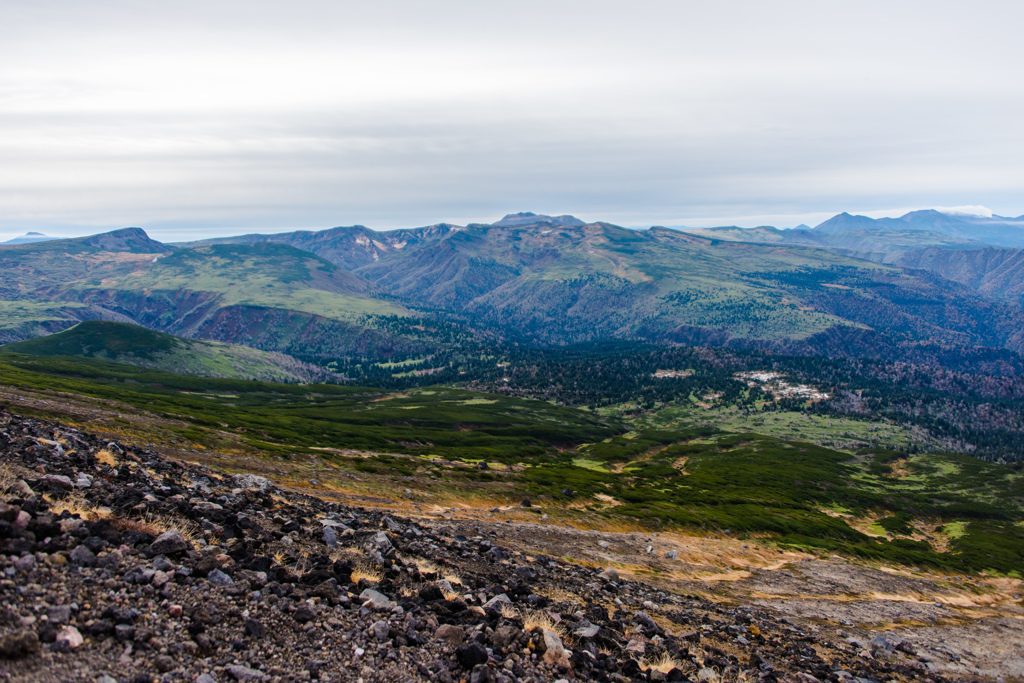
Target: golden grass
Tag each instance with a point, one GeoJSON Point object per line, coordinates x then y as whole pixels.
{"type": "Point", "coordinates": [158, 524]}
{"type": "Point", "coordinates": [425, 566]}
{"type": "Point", "coordinates": [75, 503]}
{"type": "Point", "coordinates": [561, 595]}
{"type": "Point", "coordinates": [509, 612]}
{"type": "Point", "coordinates": [453, 578]}
{"type": "Point", "coordinates": [105, 457]}
{"type": "Point", "coordinates": [537, 618]}
{"type": "Point", "coordinates": [7, 480]}
{"type": "Point", "coordinates": [665, 663]}
{"type": "Point", "coordinates": [366, 571]}
{"type": "Point", "coordinates": [450, 594]}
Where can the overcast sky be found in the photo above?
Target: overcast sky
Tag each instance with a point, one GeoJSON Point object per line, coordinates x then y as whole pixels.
{"type": "Point", "coordinates": [200, 118]}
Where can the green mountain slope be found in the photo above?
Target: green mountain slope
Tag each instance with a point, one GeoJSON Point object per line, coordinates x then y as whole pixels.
{"type": "Point", "coordinates": [134, 345]}
{"type": "Point", "coordinates": [562, 284]}
{"type": "Point", "coordinates": [348, 247]}
{"type": "Point", "coordinates": [270, 296]}
{"type": "Point", "coordinates": [998, 272]}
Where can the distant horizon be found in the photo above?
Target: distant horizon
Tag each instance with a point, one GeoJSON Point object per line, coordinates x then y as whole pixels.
{"type": "Point", "coordinates": [190, 233]}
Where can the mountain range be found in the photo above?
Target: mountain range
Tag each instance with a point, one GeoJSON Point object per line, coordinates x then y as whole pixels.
{"type": "Point", "coordinates": [320, 295]}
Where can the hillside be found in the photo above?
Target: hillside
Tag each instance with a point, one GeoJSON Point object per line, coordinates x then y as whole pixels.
{"type": "Point", "coordinates": [996, 272]}
{"type": "Point", "coordinates": [269, 296]}
{"type": "Point", "coordinates": [134, 345]}
{"type": "Point", "coordinates": [569, 284]}
{"type": "Point", "coordinates": [148, 565]}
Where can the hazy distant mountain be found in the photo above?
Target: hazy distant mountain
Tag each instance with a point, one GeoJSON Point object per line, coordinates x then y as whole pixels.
{"type": "Point", "coordinates": [29, 238]}
{"type": "Point", "coordinates": [994, 230]}
{"type": "Point", "coordinates": [874, 245]}
{"type": "Point", "coordinates": [528, 218]}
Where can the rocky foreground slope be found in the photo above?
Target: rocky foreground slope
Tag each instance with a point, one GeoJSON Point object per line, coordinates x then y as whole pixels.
{"type": "Point", "coordinates": [120, 565]}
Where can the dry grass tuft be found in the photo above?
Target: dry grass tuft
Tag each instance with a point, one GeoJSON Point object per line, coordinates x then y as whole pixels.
{"type": "Point", "coordinates": [7, 480]}
{"type": "Point", "coordinates": [453, 578]}
{"type": "Point", "coordinates": [364, 570]}
{"type": "Point", "coordinates": [75, 503]}
{"type": "Point", "coordinates": [561, 595]}
{"type": "Point", "coordinates": [665, 663]}
{"type": "Point", "coordinates": [540, 619]}
{"type": "Point", "coordinates": [425, 566]}
{"type": "Point", "coordinates": [450, 594]}
{"type": "Point", "coordinates": [105, 457]}
{"type": "Point", "coordinates": [158, 524]}
{"type": "Point", "coordinates": [509, 612]}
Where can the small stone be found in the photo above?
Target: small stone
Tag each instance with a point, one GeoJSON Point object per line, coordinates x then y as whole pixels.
{"type": "Point", "coordinates": [104, 678]}
{"type": "Point", "coordinates": [304, 614]}
{"type": "Point", "coordinates": [174, 611]}
{"type": "Point", "coordinates": [252, 482]}
{"type": "Point", "coordinates": [71, 635]}
{"type": "Point", "coordinates": [587, 629]}
{"type": "Point", "coordinates": [83, 557]}
{"type": "Point", "coordinates": [879, 643]}
{"type": "Point", "coordinates": [169, 543]}
{"type": "Point", "coordinates": [382, 541]}
{"type": "Point", "coordinates": [636, 647]}
{"type": "Point", "coordinates": [380, 630]}
{"type": "Point", "coordinates": [25, 564]}
{"type": "Point", "coordinates": [57, 481]}
{"type": "Point", "coordinates": [59, 614]}
{"type": "Point", "coordinates": [256, 629]}
{"type": "Point", "coordinates": [471, 654]}
{"type": "Point", "coordinates": [609, 575]}
{"type": "Point", "coordinates": [206, 678]}
{"type": "Point", "coordinates": [330, 537]}
{"type": "Point", "coordinates": [431, 592]}
{"type": "Point", "coordinates": [554, 652]}
{"type": "Point", "coordinates": [377, 600]}
{"type": "Point", "coordinates": [450, 633]}
{"type": "Point", "coordinates": [160, 578]}
{"type": "Point", "coordinates": [497, 601]}
{"type": "Point", "coordinates": [672, 555]}
{"type": "Point", "coordinates": [21, 521]}
{"type": "Point", "coordinates": [244, 673]}
{"type": "Point", "coordinates": [163, 664]}
{"type": "Point", "coordinates": [219, 578]}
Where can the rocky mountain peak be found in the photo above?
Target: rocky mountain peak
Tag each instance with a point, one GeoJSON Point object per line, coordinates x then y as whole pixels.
{"type": "Point", "coordinates": [529, 218]}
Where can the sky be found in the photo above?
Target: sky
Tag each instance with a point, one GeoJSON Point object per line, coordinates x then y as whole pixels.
{"type": "Point", "coordinates": [195, 119]}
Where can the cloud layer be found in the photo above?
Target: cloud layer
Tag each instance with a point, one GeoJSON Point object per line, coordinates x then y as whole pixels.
{"type": "Point", "coordinates": [265, 115]}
